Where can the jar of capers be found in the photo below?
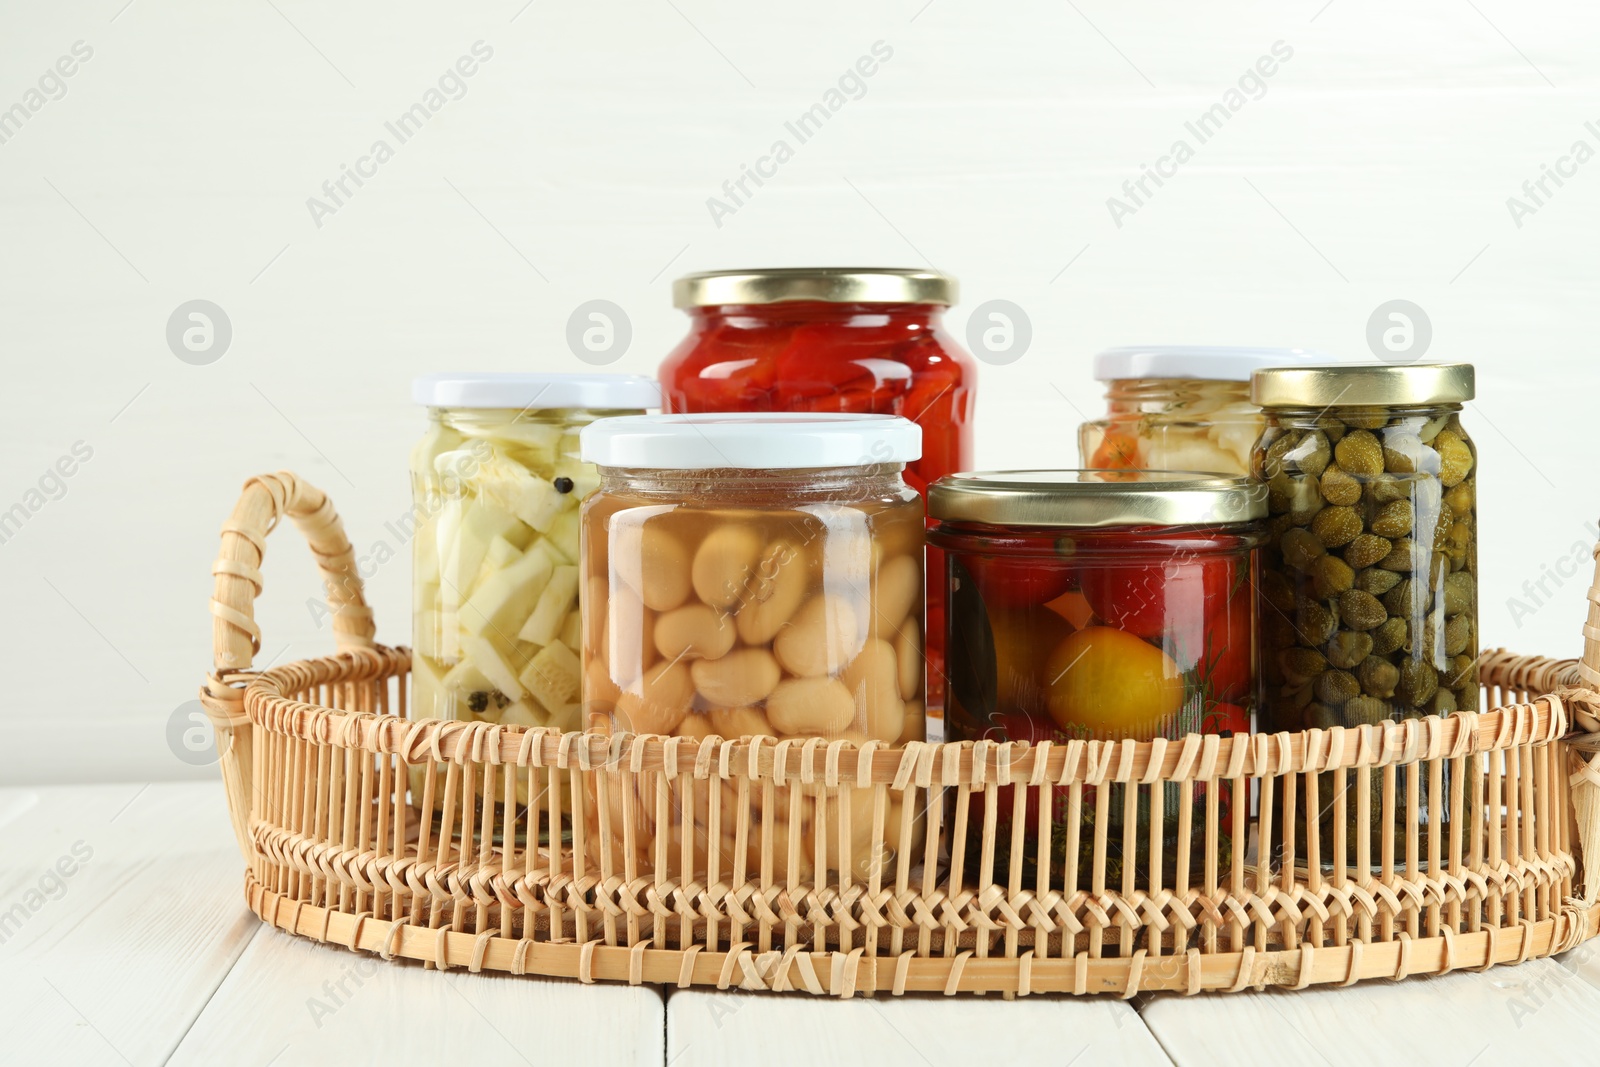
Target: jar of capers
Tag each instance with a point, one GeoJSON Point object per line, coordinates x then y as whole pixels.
{"type": "Point", "coordinates": [1368, 590]}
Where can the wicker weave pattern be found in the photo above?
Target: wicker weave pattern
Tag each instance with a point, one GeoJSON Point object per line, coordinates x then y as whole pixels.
{"type": "Point", "coordinates": [1472, 818]}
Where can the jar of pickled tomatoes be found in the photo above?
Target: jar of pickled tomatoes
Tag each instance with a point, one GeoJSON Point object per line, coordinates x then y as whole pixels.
{"type": "Point", "coordinates": [1179, 408]}
{"type": "Point", "coordinates": [836, 339]}
{"type": "Point", "coordinates": [1097, 605]}
{"type": "Point", "coordinates": [753, 574]}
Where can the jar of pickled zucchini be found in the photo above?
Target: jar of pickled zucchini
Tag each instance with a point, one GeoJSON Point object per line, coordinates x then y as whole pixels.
{"type": "Point", "coordinates": [1097, 605]}
{"type": "Point", "coordinates": [496, 483]}
{"type": "Point", "coordinates": [1179, 408]}
{"type": "Point", "coordinates": [754, 574]}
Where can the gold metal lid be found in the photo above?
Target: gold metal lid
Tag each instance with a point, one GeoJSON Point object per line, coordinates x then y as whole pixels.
{"type": "Point", "coordinates": [834, 285]}
{"type": "Point", "coordinates": [1096, 498]}
{"type": "Point", "coordinates": [1363, 385]}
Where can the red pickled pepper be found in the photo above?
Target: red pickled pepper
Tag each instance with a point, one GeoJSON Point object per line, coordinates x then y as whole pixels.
{"type": "Point", "coordinates": [887, 359]}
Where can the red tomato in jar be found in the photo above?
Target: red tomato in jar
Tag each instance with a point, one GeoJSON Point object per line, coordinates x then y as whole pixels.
{"type": "Point", "coordinates": [1227, 668]}
{"type": "Point", "coordinates": [1007, 582]}
{"type": "Point", "coordinates": [1153, 598]}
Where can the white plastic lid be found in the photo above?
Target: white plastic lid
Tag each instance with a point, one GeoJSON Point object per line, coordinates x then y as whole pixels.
{"type": "Point", "coordinates": [750, 441]}
{"type": "Point", "coordinates": [615, 392]}
{"type": "Point", "coordinates": [1221, 363]}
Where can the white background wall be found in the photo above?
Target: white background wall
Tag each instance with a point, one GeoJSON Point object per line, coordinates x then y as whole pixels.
{"type": "Point", "coordinates": [177, 166]}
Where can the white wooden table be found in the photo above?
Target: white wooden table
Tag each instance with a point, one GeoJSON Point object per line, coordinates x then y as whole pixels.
{"type": "Point", "coordinates": [124, 939]}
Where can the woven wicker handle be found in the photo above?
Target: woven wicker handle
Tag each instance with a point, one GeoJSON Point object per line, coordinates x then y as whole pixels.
{"type": "Point", "coordinates": [236, 638]}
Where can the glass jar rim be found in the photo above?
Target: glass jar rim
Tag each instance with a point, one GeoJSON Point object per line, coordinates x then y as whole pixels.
{"type": "Point", "coordinates": [536, 392]}
{"type": "Point", "coordinates": [1068, 499]}
{"type": "Point", "coordinates": [1364, 385]}
{"type": "Point", "coordinates": [833, 285]}
{"type": "Point", "coordinates": [750, 441]}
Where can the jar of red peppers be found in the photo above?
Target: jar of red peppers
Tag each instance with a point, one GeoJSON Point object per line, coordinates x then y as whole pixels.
{"type": "Point", "coordinates": [1097, 605]}
{"type": "Point", "coordinates": [853, 339]}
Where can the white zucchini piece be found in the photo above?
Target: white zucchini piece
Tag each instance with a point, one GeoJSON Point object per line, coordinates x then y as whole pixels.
{"type": "Point", "coordinates": [559, 597]}
{"type": "Point", "coordinates": [482, 654]}
{"type": "Point", "coordinates": [507, 484]}
{"type": "Point", "coordinates": [428, 697]}
{"type": "Point", "coordinates": [466, 678]}
{"type": "Point", "coordinates": [553, 676]}
{"type": "Point", "coordinates": [505, 599]}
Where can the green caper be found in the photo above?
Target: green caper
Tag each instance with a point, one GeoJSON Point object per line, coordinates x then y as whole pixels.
{"type": "Point", "coordinates": [1321, 717]}
{"type": "Point", "coordinates": [1331, 576]}
{"type": "Point", "coordinates": [1390, 637]}
{"type": "Point", "coordinates": [1335, 526]}
{"type": "Point", "coordinates": [1402, 556]}
{"type": "Point", "coordinates": [1418, 682]}
{"type": "Point", "coordinates": [1462, 498]}
{"type": "Point", "coordinates": [1386, 488]}
{"type": "Point", "coordinates": [1339, 487]}
{"type": "Point", "coordinates": [1455, 457]}
{"type": "Point", "coordinates": [1274, 463]}
{"type": "Point", "coordinates": [1376, 581]}
{"type": "Point", "coordinates": [1300, 549]}
{"type": "Point", "coordinates": [1276, 591]}
{"type": "Point", "coordinates": [1366, 418]}
{"type": "Point", "coordinates": [1467, 696]}
{"type": "Point", "coordinates": [1313, 454]}
{"type": "Point", "coordinates": [1302, 665]}
{"type": "Point", "coordinates": [1459, 591]}
{"type": "Point", "coordinates": [1392, 520]}
{"type": "Point", "coordinates": [1347, 648]}
{"type": "Point", "coordinates": [1366, 550]}
{"type": "Point", "coordinates": [1460, 670]}
{"type": "Point", "coordinates": [1378, 677]}
{"type": "Point", "coordinates": [1364, 711]}
{"type": "Point", "coordinates": [1458, 634]}
{"type": "Point", "coordinates": [1315, 623]}
{"type": "Point", "coordinates": [1335, 687]}
{"type": "Point", "coordinates": [1443, 703]}
{"type": "Point", "coordinates": [1359, 453]}
{"type": "Point", "coordinates": [1361, 611]}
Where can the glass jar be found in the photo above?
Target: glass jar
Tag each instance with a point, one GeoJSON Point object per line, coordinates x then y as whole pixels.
{"type": "Point", "coordinates": [496, 482]}
{"type": "Point", "coordinates": [749, 574]}
{"type": "Point", "coordinates": [1097, 605]}
{"type": "Point", "coordinates": [1178, 408]}
{"type": "Point", "coordinates": [1368, 592]}
{"type": "Point", "coordinates": [833, 339]}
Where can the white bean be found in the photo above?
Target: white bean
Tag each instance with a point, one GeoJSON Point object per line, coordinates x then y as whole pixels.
{"type": "Point", "coordinates": [776, 589]}
{"type": "Point", "coordinates": [894, 590]}
{"type": "Point", "coordinates": [657, 703]}
{"type": "Point", "coordinates": [694, 631]}
{"type": "Point", "coordinates": [736, 680]}
{"type": "Point", "coordinates": [814, 707]}
{"type": "Point", "coordinates": [820, 638]}
{"type": "Point", "coordinates": [872, 679]}
{"type": "Point", "coordinates": [723, 562]}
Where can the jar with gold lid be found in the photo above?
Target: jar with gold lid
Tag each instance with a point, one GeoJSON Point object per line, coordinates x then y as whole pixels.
{"type": "Point", "coordinates": [1369, 580]}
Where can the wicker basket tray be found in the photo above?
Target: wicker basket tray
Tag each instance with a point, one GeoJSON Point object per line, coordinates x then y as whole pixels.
{"type": "Point", "coordinates": [1491, 812]}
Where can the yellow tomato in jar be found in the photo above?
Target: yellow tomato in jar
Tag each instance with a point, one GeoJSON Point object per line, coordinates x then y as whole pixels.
{"type": "Point", "coordinates": [1023, 641]}
{"type": "Point", "coordinates": [1111, 684]}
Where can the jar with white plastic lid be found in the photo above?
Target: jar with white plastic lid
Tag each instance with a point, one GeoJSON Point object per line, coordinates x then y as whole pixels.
{"type": "Point", "coordinates": [496, 483]}
{"type": "Point", "coordinates": [1179, 407]}
{"type": "Point", "coordinates": [754, 574]}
